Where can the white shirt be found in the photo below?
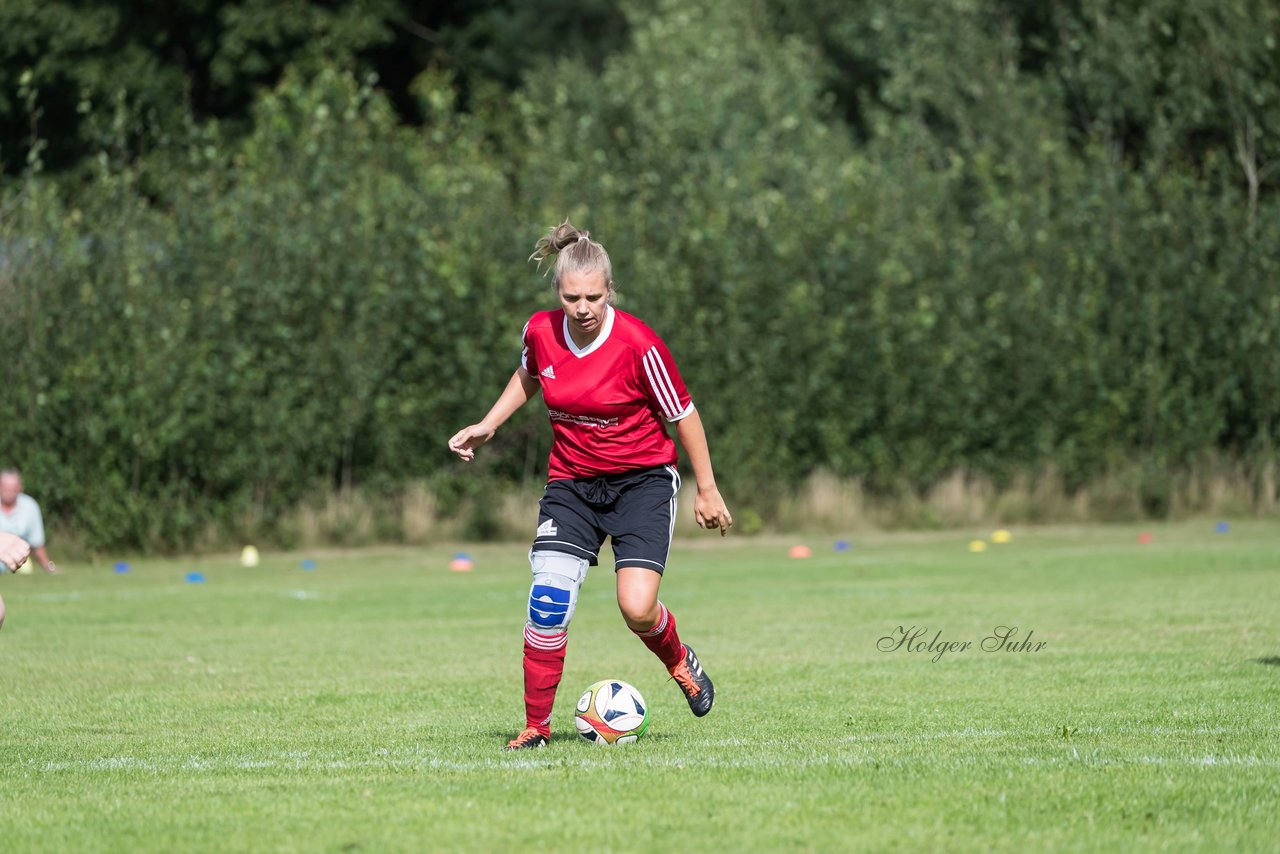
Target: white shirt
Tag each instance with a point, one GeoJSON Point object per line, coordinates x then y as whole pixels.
{"type": "Point", "coordinates": [25, 521]}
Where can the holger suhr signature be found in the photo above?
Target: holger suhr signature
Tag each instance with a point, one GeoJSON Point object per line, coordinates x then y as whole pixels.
{"type": "Point", "coordinates": [917, 639]}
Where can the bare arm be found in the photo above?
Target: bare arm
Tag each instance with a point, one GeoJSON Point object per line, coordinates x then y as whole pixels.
{"type": "Point", "coordinates": [42, 558]}
{"type": "Point", "coordinates": [519, 391]}
{"type": "Point", "coordinates": [709, 509]}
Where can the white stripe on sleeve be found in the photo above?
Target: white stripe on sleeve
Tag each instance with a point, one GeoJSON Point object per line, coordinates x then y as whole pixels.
{"type": "Point", "coordinates": [661, 384]}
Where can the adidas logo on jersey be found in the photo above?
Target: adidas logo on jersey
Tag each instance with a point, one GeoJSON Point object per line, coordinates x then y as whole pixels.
{"type": "Point", "coordinates": [549, 372]}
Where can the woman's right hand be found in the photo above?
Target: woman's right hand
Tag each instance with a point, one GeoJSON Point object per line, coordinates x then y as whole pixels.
{"type": "Point", "coordinates": [13, 551]}
{"type": "Point", "coordinates": [466, 440]}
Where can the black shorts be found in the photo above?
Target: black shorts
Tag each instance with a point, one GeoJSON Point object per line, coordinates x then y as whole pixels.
{"type": "Point", "coordinates": [636, 509]}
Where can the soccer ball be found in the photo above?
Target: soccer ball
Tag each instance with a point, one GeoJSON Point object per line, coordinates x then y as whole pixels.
{"type": "Point", "coordinates": [611, 712]}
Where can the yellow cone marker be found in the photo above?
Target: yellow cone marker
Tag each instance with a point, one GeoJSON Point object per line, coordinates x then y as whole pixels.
{"type": "Point", "coordinates": [1001, 536]}
{"type": "Point", "coordinates": [978, 546]}
{"type": "Point", "coordinates": [249, 556]}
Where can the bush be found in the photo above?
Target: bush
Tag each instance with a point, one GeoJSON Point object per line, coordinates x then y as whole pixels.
{"type": "Point", "coordinates": [954, 274]}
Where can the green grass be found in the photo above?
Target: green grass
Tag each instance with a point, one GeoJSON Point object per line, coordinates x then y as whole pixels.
{"type": "Point", "coordinates": [361, 706]}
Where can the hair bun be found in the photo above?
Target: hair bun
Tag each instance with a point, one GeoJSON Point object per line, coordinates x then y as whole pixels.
{"type": "Point", "coordinates": [557, 239]}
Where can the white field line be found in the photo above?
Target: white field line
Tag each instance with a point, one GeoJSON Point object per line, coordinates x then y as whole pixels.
{"type": "Point", "coordinates": [907, 737]}
{"type": "Point", "coordinates": [1206, 761]}
{"type": "Point", "coordinates": [74, 596]}
{"type": "Point", "coordinates": [1084, 731]}
{"type": "Point", "coordinates": [302, 761]}
{"type": "Point", "coordinates": [123, 595]}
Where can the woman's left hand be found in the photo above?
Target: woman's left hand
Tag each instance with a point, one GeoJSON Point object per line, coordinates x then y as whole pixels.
{"type": "Point", "coordinates": [710, 512]}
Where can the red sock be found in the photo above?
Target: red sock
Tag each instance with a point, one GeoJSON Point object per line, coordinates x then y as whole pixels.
{"type": "Point", "coordinates": [662, 639]}
{"type": "Point", "coordinates": [543, 667]}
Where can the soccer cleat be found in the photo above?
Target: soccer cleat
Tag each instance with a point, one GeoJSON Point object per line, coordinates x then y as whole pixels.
{"type": "Point", "coordinates": [528, 739]}
{"type": "Point", "coordinates": [695, 684]}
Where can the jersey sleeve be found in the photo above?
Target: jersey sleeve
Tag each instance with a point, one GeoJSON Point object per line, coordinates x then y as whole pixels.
{"type": "Point", "coordinates": [528, 357]}
{"type": "Point", "coordinates": [663, 384]}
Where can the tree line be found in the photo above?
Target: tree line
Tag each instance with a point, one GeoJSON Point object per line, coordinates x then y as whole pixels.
{"type": "Point", "coordinates": [887, 240]}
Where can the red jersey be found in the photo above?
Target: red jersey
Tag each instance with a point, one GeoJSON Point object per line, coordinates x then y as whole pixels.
{"type": "Point", "coordinates": [609, 401]}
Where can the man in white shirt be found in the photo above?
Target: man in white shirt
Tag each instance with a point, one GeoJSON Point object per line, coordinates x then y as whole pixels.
{"type": "Point", "coordinates": [20, 515]}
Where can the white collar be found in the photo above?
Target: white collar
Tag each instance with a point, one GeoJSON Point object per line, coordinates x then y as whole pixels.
{"type": "Point", "coordinates": [605, 328]}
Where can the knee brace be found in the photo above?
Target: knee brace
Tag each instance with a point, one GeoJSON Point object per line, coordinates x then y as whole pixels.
{"type": "Point", "coordinates": [554, 594]}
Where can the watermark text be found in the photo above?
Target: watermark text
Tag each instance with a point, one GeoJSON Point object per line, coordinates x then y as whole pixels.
{"type": "Point", "coordinates": [920, 640]}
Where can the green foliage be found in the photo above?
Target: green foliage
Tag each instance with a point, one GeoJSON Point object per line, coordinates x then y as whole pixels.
{"type": "Point", "coordinates": [210, 58]}
{"type": "Point", "coordinates": [190, 54]}
{"type": "Point", "coordinates": [207, 360]}
{"type": "Point", "coordinates": [501, 40]}
{"type": "Point", "coordinates": [922, 238]}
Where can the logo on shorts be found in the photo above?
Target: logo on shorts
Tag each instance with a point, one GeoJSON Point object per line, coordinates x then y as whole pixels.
{"type": "Point", "coordinates": [547, 528]}
{"type": "Point", "coordinates": [549, 372]}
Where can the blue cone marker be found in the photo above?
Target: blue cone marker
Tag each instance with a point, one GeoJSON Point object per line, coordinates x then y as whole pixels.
{"type": "Point", "coordinates": [195, 578]}
{"type": "Point", "coordinates": [1222, 527]}
{"type": "Point", "coordinates": [308, 565]}
{"type": "Point", "coordinates": [121, 567]}
{"type": "Point", "coordinates": [842, 545]}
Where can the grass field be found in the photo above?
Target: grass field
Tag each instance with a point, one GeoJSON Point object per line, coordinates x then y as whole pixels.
{"type": "Point", "coordinates": [361, 705]}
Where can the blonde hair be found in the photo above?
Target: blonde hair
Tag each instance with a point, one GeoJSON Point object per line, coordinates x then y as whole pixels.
{"type": "Point", "coordinates": [575, 252]}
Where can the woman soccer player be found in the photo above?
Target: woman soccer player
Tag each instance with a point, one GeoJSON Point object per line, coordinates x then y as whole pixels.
{"type": "Point", "coordinates": [610, 385]}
